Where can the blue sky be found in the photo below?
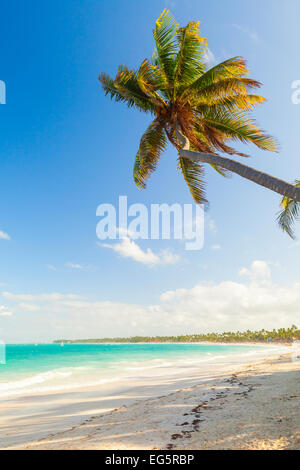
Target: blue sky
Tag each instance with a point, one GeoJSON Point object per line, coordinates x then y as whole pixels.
{"type": "Point", "coordinates": [65, 149]}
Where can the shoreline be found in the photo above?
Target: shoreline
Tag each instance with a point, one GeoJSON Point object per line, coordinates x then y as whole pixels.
{"type": "Point", "coordinates": [84, 410]}
{"type": "Point", "coordinates": [210, 343]}
{"type": "Point", "coordinates": [236, 343]}
{"type": "Point", "coordinates": [234, 414]}
{"type": "Point", "coordinates": [172, 364]}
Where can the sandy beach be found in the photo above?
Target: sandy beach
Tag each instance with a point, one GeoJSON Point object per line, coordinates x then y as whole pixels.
{"type": "Point", "coordinates": [245, 406]}
{"type": "Point", "coordinates": [150, 228]}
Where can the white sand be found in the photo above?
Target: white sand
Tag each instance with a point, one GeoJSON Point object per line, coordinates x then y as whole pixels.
{"type": "Point", "coordinates": [221, 406]}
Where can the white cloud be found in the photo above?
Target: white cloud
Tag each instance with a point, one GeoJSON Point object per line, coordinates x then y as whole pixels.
{"type": "Point", "coordinates": [39, 297]}
{"type": "Point", "coordinates": [4, 312]}
{"type": "Point", "coordinates": [124, 232]}
{"type": "Point", "coordinates": [210, 58]}
{"type": "Point", "coordinates": [129, 249]}
{"type": "Point", "coordinates": [4, 235]}
{"type": "Point", "coordinates": [216, 247]}
{"type": "Point", "coordinates": [250, 33]}
{"type": "Point", "coordinates": [28, 307]}
{"type": "Point", "coordinates": [212, 226]}
{"type": "Point", "coordinates": [228, 305]}
{"type": "Point", "coordinates": [258, 272]}
{"type": "Point", "coordinates": [167, 257]}
{"type": "Point", "coordinates": [74, 266]}
{"type": "Point", "coordinates": [51, 267]}
{"type": "Point", "coordinates": [78, 266]}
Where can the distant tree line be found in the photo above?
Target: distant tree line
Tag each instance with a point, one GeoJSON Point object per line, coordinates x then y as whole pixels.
{"type": "Point", "coordinates": [262, 336]}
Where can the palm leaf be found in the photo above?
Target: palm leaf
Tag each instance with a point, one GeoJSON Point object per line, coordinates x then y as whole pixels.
{"type": "Point", "coordinates": [155, 58]}
{"type": "Point", "coordinates": [215, 139]}
{"type": "Point", "coordinates": [239, 126]}
{"type": "Point", "coordinates": [220, 89]}
{"type": "Point", "coordinates": [166, 46]}
{"type": "Point", "coordinates": [221, 171]}
{"type": "Point", "coordinates": [152, 144]}
{"type": "Point", "coordinates": [128, 94]}
{"type": "Point", "coordinates": [190, 59]}
{"type": "Point", "coordinates": [109, 88]}
{"type": "Point", "coordinates": [230, 68]}
{"type": "Point", "coordinates": [232, 103]}
{"type": "Point", "coordinates": [290, 212]}
{"type": "Point", "coordinates": [193, 173]}
{"type": "Point", "coordinates": [150, 79]}
{"type": "Point", "coordinates": [127, 83]}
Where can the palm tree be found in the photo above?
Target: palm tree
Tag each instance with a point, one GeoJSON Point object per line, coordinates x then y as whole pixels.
{"type": "Point", "coordinates": [199, 110]}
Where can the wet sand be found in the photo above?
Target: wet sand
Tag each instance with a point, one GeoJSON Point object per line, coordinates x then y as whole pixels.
{"type": "Point", "coordinates": [245, 406]}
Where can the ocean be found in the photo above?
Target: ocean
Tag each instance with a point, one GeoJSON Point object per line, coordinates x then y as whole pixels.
{"type": "Point", "coordinates": [46, 368]}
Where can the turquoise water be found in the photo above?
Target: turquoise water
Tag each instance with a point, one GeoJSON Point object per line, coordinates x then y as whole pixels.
{"type": "Point", "coordinates": [36, 368]}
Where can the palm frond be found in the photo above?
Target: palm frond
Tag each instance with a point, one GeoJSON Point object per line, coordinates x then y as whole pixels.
{"type": "Point", "coordinates": [239, 126]}
{"type": "Point", "coordinates": [235, 102]}
{"type": "Point", "coordinates": [215, 139]}
{"type": "Point", "coordinates": [213, 145]}
{"type": "Point", "coordinates": [152, 144]}
{"type": "Point", "coordinates": [222, 171]}
{"type": "Point", "coordinates": [109, 88]}
{"type": "Point", "coordinates": [193, 173]}
{"type": "Point", "coordinates": [132, 96]}
{"type": "Point", "coordinates": [289, 214]}
{"type": "Point", "coordinates": [221, 89]}
{"type": "Point", "coordinates": [150, 79]}
{"type": "Point", "coordinates": [126, 82]}
{"type": "Point", "coordinates": [230, 68]}
{"type": "Point", "coordinates": [166, 46]}
{"type": "Point", "coordinates": [155, 58]}
{"type": "Point", "coordinates": [190, 59]}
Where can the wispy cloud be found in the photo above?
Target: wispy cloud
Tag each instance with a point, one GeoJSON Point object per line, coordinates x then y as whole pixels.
{"type": "Point", "coordinates": [250, 33]}
{"type": "Point", "coordinates": [51, 267]}
{"type": "Point", "coordinates": [74, 266]}
{"type": "Point", "coordinates": [54, 297]}
{"type": "Point", "coordinates": [4, 312]}
{"type": "Point", "coordinates": [4, 235]}
{"type": "Point", "coordinates": [129, 249]}
{"type": "Point", "coordinates": [210, 57]}
{"type": "Point", "coordinates": [216, 247]}
{"type": "Point", "coordinates": [79, 267]}
{"type": "Point", "coordinates": [297, 243]}
{"type": "Point", "coordinates": [211, 224]}
{"type": "Point", "coordinates": [29, 307]}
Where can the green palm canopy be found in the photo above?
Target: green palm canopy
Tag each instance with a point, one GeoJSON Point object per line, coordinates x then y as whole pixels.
{"type": "Point", "coordinates": [209, 107]}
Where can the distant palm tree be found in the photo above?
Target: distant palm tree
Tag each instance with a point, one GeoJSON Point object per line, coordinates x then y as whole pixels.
{"type": "Point", "coordinates": [198, 110]}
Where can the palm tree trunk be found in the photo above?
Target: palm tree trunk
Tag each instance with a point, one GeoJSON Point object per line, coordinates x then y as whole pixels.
{"type": "Point", "coordinates": [258, 177]}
